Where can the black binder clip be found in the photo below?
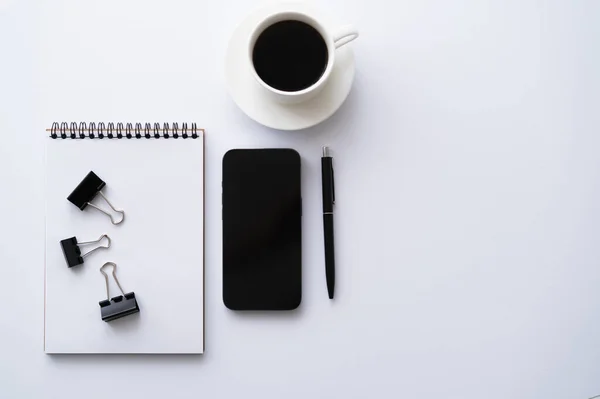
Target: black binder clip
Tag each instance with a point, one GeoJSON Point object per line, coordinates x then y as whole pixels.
{"type": "Point", "coordinates": [72, 252]}
{"type": "Point", "coordinates": [86, 191]}
{"type": "Point", "coordinates": [119, 306]}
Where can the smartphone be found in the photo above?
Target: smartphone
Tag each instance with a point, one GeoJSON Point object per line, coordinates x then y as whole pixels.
{"type": "Point", "coordinates": [262, 229]}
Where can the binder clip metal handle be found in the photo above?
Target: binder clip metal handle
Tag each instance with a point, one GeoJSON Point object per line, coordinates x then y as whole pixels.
{"type": "Point", "coordinates": [96, 242]}
{"type": "Point", "coordinates": [114, 275]}
{"type": "Point", "coordinates": [120, 211]}
{"type": "Point", "coordinates": [119, 306]}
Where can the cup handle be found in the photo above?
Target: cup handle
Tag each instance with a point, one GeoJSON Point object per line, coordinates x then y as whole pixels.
{"type": "Point", "coordinates": [344, 36]}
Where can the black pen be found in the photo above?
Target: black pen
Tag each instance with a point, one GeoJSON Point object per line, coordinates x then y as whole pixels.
{"type": "Point", "coordinates": [328, 202]}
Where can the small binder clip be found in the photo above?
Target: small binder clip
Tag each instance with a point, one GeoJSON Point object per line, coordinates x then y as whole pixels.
{"type": "Point", "coordinates": [119, 306]}
{"type": "Point", "coordinates": [86, 191]}
{"type": "Point", "coordinates": [72, 252]}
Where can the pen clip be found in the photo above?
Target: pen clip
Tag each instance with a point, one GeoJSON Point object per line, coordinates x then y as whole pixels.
{"type": "Point", "coordinates": [332, 185]}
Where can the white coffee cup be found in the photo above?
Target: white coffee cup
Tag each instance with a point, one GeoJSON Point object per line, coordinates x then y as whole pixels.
{"type": "Point", "coordinates": [334, 41]}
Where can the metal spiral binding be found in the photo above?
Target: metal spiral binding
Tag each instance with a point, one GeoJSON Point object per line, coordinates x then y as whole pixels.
{"type": "Point", "coordinates": [184, 129]}
{"type": "Point", "coordinates": [156, 130]}
{"type": "Point", "coordinates": [110, 130]}
{"type": "Point", "coordinates": [138, 130]}
{"type": "Point", "coordinates": [82, 129]}
{"type": "Point", "coordinates": [63, 130]}
{"type": "Point", "coordinates": [73, 129]}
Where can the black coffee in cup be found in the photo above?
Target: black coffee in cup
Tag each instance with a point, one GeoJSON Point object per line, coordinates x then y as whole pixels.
{"type": "Point", "coordinates": [290, 55]}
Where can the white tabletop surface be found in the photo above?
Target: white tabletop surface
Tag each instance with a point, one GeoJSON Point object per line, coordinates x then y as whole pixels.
{"type": "Point", "coordinates": [468, 198]}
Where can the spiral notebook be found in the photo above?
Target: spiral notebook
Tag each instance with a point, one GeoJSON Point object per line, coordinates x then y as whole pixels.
{"type": "Point", "coordinates": [155, 174]}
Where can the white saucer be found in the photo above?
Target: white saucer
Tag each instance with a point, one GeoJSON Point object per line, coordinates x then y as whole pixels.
{"type": "Point", "coordinates": [248, 95]}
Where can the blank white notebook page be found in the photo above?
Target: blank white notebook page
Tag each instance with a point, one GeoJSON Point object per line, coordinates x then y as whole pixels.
{"type": "Point", "coordinates": [158, 249]}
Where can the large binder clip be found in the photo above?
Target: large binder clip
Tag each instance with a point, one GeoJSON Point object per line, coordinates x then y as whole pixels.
{"type": "Point", "coordinates": [86, 191]}
{"type": "Point", "coordinates": [72, 252]}
{"type": "Point", "coordinates": [119, 306]}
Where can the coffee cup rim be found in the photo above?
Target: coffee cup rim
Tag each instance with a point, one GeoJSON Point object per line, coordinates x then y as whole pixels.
{"type": "Point", "coordinates": [302, 17]}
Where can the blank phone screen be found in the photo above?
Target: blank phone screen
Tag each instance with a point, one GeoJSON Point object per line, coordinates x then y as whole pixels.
{"type": "Point", "coordinates": [262, 229]}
